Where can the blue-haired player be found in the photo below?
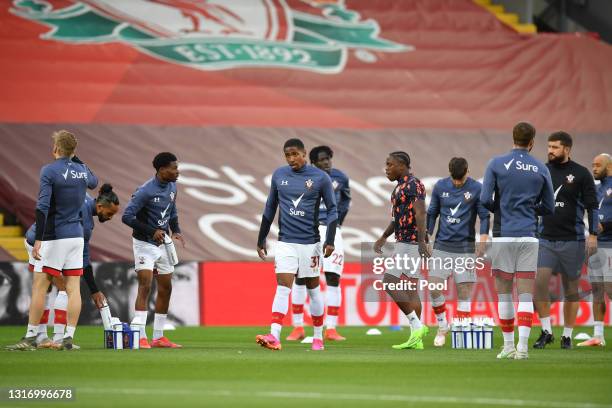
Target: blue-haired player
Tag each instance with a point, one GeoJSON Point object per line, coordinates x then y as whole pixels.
{"type": "Point", "coordinates": [58, 244]}
{"type": "Point", "coordinates": [297, 189]}
{"type": "Point", "coordinates": [456, 200]}
{"type": "Point", "coordinates": [321, 157]}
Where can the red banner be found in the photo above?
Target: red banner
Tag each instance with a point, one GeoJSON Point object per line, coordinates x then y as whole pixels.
{"type": "Point", "coordinates": [241, 294]}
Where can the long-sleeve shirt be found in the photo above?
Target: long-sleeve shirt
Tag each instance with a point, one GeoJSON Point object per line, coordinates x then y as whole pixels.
{"type": "Point", "coordinates": [523, 191]}
{"type": "Point", "coordinates": [63, 185]}
{"type": "Point", "coordinates": [574, 192]}
{"type": "Point", "coordinates": [298, 195]}
{"type": "Point", "coordinates": [88, 211]}
{"type": "Point", "coordinates": [604, 198]}
{"type": "Point", "coordinates": [458, 209]}
{"type": "Point", "coordinates": [342, 191]}
{"type": "Point", "coordinates": [152, 207]}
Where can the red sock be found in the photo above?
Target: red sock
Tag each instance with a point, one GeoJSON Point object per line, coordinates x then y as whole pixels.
{"type": "Point", "coordinates": [45, 317]}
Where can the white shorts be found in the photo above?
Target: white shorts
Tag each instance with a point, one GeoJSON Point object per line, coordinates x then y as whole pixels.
{"type": "Point", "coordinates": [335, 262]}
{"type": "Point", "coordinates": [60, 257]}
{"type": "Point", "coordinates": [304, 260]}
{"type": "Point", "coordinates": [151, 258]}
{"type": "Point", "coordinates": [31, 261]}
{"type": "Point", "coordinates": [444, 264]}
{"type": "Point", "coordinates": [412, 254]}
{"type": "Point", "coordinates": [600, 266]}
{"type": "Point", "coordinates": [514, 256]}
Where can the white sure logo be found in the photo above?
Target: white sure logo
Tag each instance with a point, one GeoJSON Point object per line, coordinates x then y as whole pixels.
{"type": "Point", "coordinates": [507, 165]}
{"type": "Point", "coordinates": [65, 174]}
{"type": "Point", "coordinates": [297, 201]}
{"type": "Point", "coordinates": [454, 210]}
{"type": "Point", "coordinates": [558, 203]}
{"type": "Point", "coordinates": [294, 211]}
{"type": "Point", "coordinates": [163, 213]}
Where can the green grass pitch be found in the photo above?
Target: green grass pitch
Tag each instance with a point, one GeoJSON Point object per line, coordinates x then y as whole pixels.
{"type": "Point", "coordinates": [225, 367]}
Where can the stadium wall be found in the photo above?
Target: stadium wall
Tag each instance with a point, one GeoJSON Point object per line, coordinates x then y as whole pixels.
{"type": "Point", "coordinates": [239, 293]}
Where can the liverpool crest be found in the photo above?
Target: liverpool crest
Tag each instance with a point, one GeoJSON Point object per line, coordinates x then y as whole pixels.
{"type": "Point", "coordinates": [219, 34]}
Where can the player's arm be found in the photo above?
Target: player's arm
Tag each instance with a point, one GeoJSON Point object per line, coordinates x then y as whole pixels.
{"type": "Point", "coordinates": [380, 242]}
{"type": "Point", "coordinates": [174, 223]}
{"type": "Point", "coordinates": [329, 198]}
{"type": "Point", "coordinates": [488, 187]}
{"type": "Point", "coordinates": [92, 179]}
{"type": "Point", "coordinates": [589, 199]}
{"type": "Point", "coordinates": [42, 208]}
{"type": "Point", "coordinates": [266, 219]}
{"type": "Point", "coordinates": [433, 211]}
{"type": "Point", "coordinates": [485, 219]}
{"type": "Point", "coordinates": [546, 204]}
{"type": "Point", "coordinates": [345, 201]}
{"type": "Point", "coordinates": [420, 214]}
{"type": "Point", "coordinates": [138, 201]}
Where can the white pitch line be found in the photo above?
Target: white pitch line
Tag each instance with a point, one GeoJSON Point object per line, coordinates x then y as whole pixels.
{"type": "Point", "coordinates": [504, 402]}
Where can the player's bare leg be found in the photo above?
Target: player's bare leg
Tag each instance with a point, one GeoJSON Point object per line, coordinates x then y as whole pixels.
{"type": "Point", "coordinates": [570, 309]}
{"type": "Point", "coordinates": [162, 303]}
{"type": "Point", "coordinates": [40, 285]}
{"type": "Point", "coordinates": [409, 303]}
{"type": "Point", "coordinates": [542, 304]}
{"type": "Point", "coordinates": [145, 279]}
{"type": "Point", "coordinates": [599, 313]}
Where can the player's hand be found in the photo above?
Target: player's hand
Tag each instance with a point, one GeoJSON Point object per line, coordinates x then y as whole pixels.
{"type": "Point", "coordinates": [329, 249]}
{"type": "Point", "coordinates": [591, 246]}
{"type": "Point", "coordinates": [159, 235]}
{"type": "Point", "coordinates": [99, 299]}
{"type": "Point", "coordinates": [379, 244]}
{"type": "Point", "coordinates": [481, 248]}
{"type": "Point", "coordinates": [424, 249]}
{"type": "Point", "coordinates": [600, 228]}
{"type": "Point", "coordinates": [36, 250]}
{"type": "Point", "coordinates": [179, 237]}
{"type": "Point", "coordinates": [262, 252]}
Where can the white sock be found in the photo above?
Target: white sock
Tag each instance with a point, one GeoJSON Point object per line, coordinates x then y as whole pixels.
{"type": "Point", "coordinates": [546, 324]}
{"type": "Point", "coordinates": [60, 306]}
{"type": "Point", "coordinates": [415, 322]}
{"type": "Point", "coordinates": [333, 300]}
{"type": "Point", "coordinates": [280, 306]}
{"type": "Point", "coordinates": [298, 298]}
{"type": "Point", "coordinates": [464, 306]}
{"type": "Point", "coordinates": [598, 330]}
{"type": "Point", "coordinates": [139, 322]}
{"type": "Point", "coordinates": [525, 306]}
{"type": "Point", "coordinates": [158, 325]}
{"type": "Point", "coordinates": [32, 330]}
{"type": "Point", "coordinates": [105, 314]}
{"type": "Point", "coordinates": [505, 309]}
{"type": "Point", "coordinates": [438, 302]}
{"type": "Point", "coordinates": [42, 327]}
{"type": "Point", "coordinates": [70, 331]}
{"type": "Point", "coordinates": [567, 332]}
{"type": "Point", "coordinates": [58, 332]}
{"type": "Point", "coordinates": [317, 309]}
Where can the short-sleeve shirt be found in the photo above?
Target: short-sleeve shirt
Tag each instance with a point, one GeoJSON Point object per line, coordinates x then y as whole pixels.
{"type": "Point", "coordinates": [408, 190]}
